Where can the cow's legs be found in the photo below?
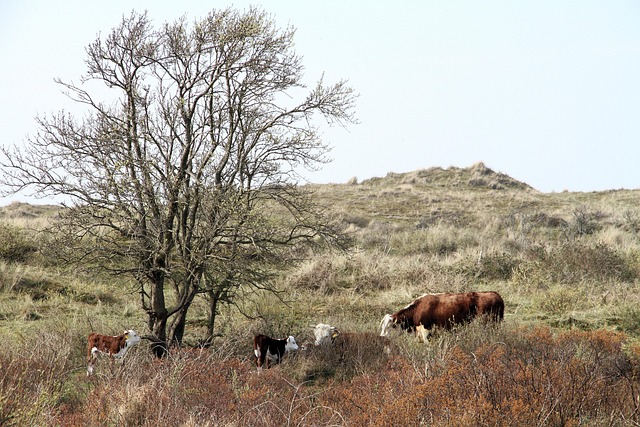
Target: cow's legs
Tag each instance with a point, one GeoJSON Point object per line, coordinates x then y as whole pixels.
{"type": "Point", "coordinates": [422, 333]}
{"type": "Point", "coordinates": [92, 355]}
{"type": "Point", "coordinates": [260, 359]}
{"type": "Point", "coordinates": [272, 358]}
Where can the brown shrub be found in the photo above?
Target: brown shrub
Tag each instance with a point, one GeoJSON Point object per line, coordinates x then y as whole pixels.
{"type": "Point", "coordinates": [32, 379]}
{"type": "Point", "coordinates": [541, 380]}
{"type": "Point", "coordinates": [498, 377]}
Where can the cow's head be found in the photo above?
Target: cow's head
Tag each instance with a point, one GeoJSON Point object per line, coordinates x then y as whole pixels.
{"type": "Point", "coordinates": [131, 337]}
{"type": "Point", "coordinates": [291, 344]}
{"type": "Point", "coordinates": [324, 333]}
{"type": "Point", "coordinates": [386, 324]}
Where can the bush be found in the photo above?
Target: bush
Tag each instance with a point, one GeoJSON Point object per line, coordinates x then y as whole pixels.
{"type": "Point", "coordinates": [33, 379]}
{"type": "Point", "coordinates": [15, 246]}
{"type": "Point", "coordinates": [576, 262]}
{"type": "Point", "coordinates": [534, 378]}
{"type": "Point", "coordinates": [631, 221]}
{"type": "Point", "coordinates": [584, 222]}
{"type": "Point", "coordinates": [558, 300]}
{"type": "Point", "coordinates": [629, 320]}
{"type": "Point", "coordinates": [495, 266]}
{"type": "Point", "coordinates": [350, 355]}
{"type": "Point", "coordinates": [440, 241]}
{"type": "Point", "coordinates": [599, 262]}
{"type": "Point", "coordinates": [331, 274]}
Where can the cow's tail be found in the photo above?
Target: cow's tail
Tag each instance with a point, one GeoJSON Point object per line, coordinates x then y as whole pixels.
{"type": "Point", "coordinates": [500, 314]}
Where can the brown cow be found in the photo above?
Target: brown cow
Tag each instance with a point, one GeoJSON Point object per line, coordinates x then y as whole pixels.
{"type": "Point", "coordinates": [444, 310]}
{"type": "Point", "coordinates": [114, 346]}
{"type": "Point", "coordinates": [269, 349]}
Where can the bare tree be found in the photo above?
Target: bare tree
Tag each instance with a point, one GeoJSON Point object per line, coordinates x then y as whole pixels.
{"type": "Point", "coordinates": [182, 172]}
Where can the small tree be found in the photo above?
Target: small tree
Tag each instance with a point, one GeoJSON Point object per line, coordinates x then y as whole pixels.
{"type": "Point", "coordinates": [182, 174]}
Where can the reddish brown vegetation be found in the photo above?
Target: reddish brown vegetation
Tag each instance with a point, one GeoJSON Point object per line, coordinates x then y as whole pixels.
{"type": "Point", "coordinates": [523, 377]}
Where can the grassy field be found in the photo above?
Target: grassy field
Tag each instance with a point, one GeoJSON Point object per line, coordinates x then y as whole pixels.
{"type": "Point", "coordinates": [567, 265]}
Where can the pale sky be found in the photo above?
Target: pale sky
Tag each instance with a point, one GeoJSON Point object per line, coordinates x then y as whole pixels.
{"type": "Point", "coordinates": [547, 92]}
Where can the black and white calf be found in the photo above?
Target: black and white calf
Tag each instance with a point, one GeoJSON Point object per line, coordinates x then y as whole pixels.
{"type": "Point", "coordinates": [269, 349]}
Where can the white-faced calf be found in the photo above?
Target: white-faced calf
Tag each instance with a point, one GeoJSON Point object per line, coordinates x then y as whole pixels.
{"type": "Point", "coordinates": [115, 346]}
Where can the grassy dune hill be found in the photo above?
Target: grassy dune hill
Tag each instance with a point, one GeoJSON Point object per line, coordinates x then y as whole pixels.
{"type": "Point", "coordinates": [567, 265]}
{"type": "Point", "coordinates": [554, 255]}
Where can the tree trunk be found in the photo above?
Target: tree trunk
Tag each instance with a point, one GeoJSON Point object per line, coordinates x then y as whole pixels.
{"type": "Point", "coordinates": [159, 346]}
{"type": "Point", "coordinates": [176, 332]}
{"type": "Point", "coordinates": [214, 297]}
{"type": "Point", "coordinates": [158, 316]}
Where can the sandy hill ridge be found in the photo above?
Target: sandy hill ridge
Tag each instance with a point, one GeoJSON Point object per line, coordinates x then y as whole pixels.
{"type": "Point", "coordinates": [475, 176]}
